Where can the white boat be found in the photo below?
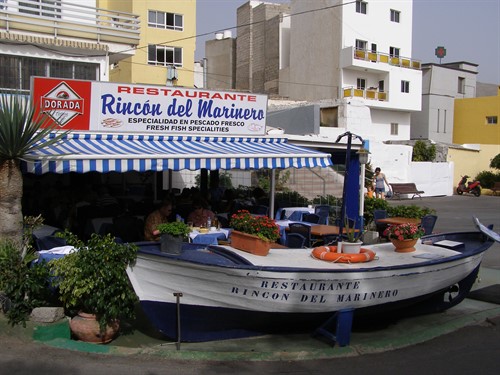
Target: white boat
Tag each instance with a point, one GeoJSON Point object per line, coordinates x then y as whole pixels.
{"type": "Point", "coordinates": [218, 292]}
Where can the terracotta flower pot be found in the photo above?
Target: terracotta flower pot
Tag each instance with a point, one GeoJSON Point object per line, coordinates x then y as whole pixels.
{"type": "Point", "coordinates": [85, 327]}
{"type": "Point", "coordinates": [404, 246]}
{"type": "Point", "coordinates": [249, 243]}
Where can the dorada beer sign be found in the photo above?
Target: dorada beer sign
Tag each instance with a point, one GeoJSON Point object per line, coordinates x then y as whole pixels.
{"type": "Point", "coordinates": [126, 108]}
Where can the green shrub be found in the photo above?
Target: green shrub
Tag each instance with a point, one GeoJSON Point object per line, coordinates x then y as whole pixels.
{"type": "Point", "coordinates": [26, 285]}
{"type": "Point", "coordinates": [487, 178]}
{"type": "Point", "coordinates": [292, 198]}
{"type": "Point", "coordinates": [495, 162]}
{"type": "Point", "coordinates": [94, 278]}
{"type": "Point", "coordinates": [410, 211]}
{"type": "Point", "coordinates": [328, 199]}
{"type": "Point", "coordinates": [372, 204]}
{"type": "Point", "coordinates": [423, 152]}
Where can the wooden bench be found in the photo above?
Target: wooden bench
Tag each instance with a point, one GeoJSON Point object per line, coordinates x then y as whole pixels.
{"type": "Point", "coordinates": [405, 188]}
{"type": "Point", "coordinates": [495, 188]}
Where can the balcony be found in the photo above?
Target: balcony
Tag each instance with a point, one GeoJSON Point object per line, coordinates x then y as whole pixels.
{"type": "Point", "coordinates": [373, 94]}
{"type": "Point", "coordinates": [67, 23]}
{"type": "Point", "coordinates": [403, 62]}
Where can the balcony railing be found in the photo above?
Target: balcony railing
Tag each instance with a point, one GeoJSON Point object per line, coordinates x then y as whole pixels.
{"type": "Point", "coordinates": [57, 19]}
{"type": "Point", "coordinates": [403, 62]}
{"type": "Point", "coordinates": [352, 92]}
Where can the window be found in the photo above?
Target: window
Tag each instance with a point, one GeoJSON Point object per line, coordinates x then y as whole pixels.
{"type": "Point", "coordinates": [381, 86]}
{"type": "Point", "coordinates": [163, 20]}
{"type": "Point", "coordinates": [16, 72]}
{"type": "Point", "coordinates": [405, 86]}
{"type": "Point", "coordinates": [163, 55]}
{"type": "Point", "coordinates": [461, 85]}
{"type": "Point", "coordinates": [361, 7]}
{"type": "Point", "coordinates": [394, 128]}
{"type": "Point", "coordinates": [395, 15]}
{"type": "Point", "coordinates": [361, 44]}
{"type": "Point", "coordinates": [46, 8]}
{"type": "Point", "coordinates": [360, 83]}
{"type": "Point", "coordinates": [394, 51]}
{"type": "Point", "coordinates": [491, 120]}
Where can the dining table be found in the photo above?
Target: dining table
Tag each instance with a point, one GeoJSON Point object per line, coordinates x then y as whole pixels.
{"type": "Point", "coordinates": [317, 230]}
{"type": "Point", "coordinates": [396, 220]}
{"type": "Point", "coordinates": [211, 237]}
{"type": "Point", "coordinates": [293, 213]}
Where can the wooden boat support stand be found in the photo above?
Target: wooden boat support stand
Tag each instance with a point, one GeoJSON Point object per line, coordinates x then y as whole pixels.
{"type": "Point", "coordinates": [288, 290]}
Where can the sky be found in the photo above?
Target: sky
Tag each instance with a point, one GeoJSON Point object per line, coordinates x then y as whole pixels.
{"type": "Point", "coordinates": [468, 29]}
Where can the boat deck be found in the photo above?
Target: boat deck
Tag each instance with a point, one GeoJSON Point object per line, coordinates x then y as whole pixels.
{"type": "Point", "coordinates": [385, 257]}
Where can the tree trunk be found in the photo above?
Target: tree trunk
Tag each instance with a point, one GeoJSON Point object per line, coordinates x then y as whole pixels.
{"type": "Point", "coordinates": [11, 192]}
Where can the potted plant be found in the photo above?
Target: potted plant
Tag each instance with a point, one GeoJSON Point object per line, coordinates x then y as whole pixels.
{"type": "Point", "coordinates": [92, 282]}
{"type": "Point", "coordinates": [172, 236]}
{"type": "Point", "coordinates": [404, 236]}
{"type": "Point", "coordinates": [254, 234]}
{"type": "Point", "coordinates": [352, 244]}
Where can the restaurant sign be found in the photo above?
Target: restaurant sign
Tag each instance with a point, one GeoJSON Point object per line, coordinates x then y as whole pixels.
{"type": "Point", "coordinates": [126, 108]}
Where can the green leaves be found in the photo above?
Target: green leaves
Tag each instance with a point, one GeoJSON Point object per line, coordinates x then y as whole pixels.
{"type": "Point", "coordinates": [21, 130]}
{"type": "Point", "coordinates": [176, 228]}
{"type": "Point", "coordinates": [26, 286]}
{"type": "Point", "coordinates": [94, 279]}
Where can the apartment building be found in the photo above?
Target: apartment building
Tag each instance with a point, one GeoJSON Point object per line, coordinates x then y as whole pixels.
{"type": "Point", "coordinates": [442, 84]}
{"type": "Point", "coordinates": [64, 39]}
{"type": "Point", "coordinates": [355, 58]}
{"type": "Point", "coordinates": [165, 52]}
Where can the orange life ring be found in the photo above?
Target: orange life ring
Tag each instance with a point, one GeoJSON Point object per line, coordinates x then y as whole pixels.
{"type": "Point", "coordinates": [329, 253]}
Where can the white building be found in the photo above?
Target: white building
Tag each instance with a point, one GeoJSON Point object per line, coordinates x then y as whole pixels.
{"type": "Point", "coordinates": [356, 55]}
{"type": "Point", "coordinates": [68, 39]}
{"type": "Point", "coordinates": [442, 84]}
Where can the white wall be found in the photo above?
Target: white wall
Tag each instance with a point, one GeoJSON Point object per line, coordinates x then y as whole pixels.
{"type": "Point", "coordinates": [375, 26]}
{"type": "Point", "coordinates": [435, 179]}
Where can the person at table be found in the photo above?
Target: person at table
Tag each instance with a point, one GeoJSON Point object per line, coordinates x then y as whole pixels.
{"type": "Point", "coordinates": [159, 216]}
{"type": "Point", "coordinates": [379, 181]}
{"type": "Point", "coordinates": [200, 213]}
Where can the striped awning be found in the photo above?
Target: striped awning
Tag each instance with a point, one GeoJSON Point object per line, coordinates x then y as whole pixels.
{"type": "Point", "coordinates": [121, 153]}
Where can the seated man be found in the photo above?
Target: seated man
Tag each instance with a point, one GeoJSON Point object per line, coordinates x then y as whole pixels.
{"type": "Point", "coordinates": [159, 216]}
{"type": "Point", "coordinates": [200, 214]}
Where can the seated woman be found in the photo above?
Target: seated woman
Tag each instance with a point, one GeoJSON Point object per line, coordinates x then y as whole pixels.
{"type": "Point", "coordinates": [200, 214]}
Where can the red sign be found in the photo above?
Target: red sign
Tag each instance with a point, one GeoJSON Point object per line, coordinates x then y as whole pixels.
{"type": "Point", "coordinates": [440, 52]}
{"type": "Point", "coordinates": [65, 102]}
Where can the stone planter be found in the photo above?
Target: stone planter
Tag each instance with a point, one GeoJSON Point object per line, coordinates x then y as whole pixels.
{"type": "Point", "coordinates": [170, 244]}
{"type": "Point", "coordinates": [404, 246]}
{"type": "Point", "coordinates": [370, 237]}
{"type": "Point", "coordinates": [249, 243]}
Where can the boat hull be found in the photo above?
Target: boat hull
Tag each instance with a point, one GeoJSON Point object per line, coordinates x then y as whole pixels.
{"type": "Point", "coordinates": [218, 294]}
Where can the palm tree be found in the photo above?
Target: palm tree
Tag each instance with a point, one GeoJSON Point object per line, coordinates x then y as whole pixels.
{"type": "Point", "coordinates": [20, 133]}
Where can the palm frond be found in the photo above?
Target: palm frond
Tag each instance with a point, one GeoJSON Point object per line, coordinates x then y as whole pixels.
{"type": "Point", "coordinates": [22, 129]}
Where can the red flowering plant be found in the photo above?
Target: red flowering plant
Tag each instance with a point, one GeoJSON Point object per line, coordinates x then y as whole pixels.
{"type": "Point", "coordinates": [405, 231]}
{"type": "Point", "coordinates": [261, 226]}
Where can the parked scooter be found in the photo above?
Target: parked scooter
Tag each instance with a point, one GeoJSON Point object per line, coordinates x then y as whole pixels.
{"type": "Point", "coordinates": [472, 187]}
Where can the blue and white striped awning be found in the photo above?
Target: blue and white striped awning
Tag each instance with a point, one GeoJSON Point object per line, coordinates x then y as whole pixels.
{"type": "Point", "coordinates": [121, 153]}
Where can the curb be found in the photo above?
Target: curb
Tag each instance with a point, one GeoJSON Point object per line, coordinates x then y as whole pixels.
{"type": "Point", "coordinates": [403, 333]}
